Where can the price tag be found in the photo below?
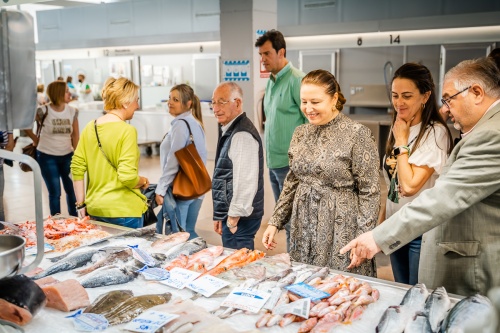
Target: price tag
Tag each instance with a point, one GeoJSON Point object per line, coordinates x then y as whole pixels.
{"type": "Point", "coordinates": [180, 277]}
{"type": "Point", "coordinates": [307, 291]}
{"type": "Point", "coordinates": [142, 256]}
{"type": "Point", "coordinates": [273, 299]}
{"type": "Point", "coordinates": [150, 321]}
{"type": "Point", "coordinates": [246, 299]}
{"type": "Point", "coordinates": [299, 308]}
{"type": "Point", "coordinates": [89, 322]}
{"type": "Point", "coordinates": [154, 273]}
{"type": "Point", "coordinates": [207, 285]}
{"type": "Point", "coordinates": [32, 249]}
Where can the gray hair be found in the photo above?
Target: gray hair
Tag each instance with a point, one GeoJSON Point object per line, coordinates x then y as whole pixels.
{"type": "Point", "coordinates": [236, 91]}
{"type": "Point", "coordinates": [481, 71]}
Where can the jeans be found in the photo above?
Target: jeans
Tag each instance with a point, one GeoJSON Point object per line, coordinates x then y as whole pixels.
{"type": "Point", "coordinates": [129, 222]}
{"type": "Point", "coordinates": [405, 262]}
{"type": "Point", "coordinates": [188, 214]}
{"type": "Point", "coordinates": [56, 168]}
{"type": "Point", "coordinates": [244, 235]}
{"type": "Point", "coordinates": [277, 177]}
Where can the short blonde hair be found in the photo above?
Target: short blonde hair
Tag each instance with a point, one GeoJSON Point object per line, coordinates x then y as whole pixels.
{"type": "Point", "coordinates": [117, 92]}
{"type": "Point", "coordinates": [56, 91]}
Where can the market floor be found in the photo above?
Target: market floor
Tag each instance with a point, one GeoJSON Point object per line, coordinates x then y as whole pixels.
{"type": "Point", "coordinates": [19, 204]}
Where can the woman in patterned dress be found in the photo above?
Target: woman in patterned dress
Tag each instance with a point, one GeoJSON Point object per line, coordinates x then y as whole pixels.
{"type": "Point", "coordinates": [332, 192]}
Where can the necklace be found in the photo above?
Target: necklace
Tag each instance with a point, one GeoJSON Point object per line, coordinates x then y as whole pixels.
{"type": "Point", "coordinates": [114, 114]}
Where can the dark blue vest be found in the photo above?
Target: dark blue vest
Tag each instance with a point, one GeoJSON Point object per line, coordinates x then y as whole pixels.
{"type": "Point", "coordinates": [222, 181]}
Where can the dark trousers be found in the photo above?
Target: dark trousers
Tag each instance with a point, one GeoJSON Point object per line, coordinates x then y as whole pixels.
{"type": "Point", "coordinates": [54, 169]}
{"type": "Point", "coordinates": [405, 262]}
{"type": "Point", "coordinates": [244, 235]}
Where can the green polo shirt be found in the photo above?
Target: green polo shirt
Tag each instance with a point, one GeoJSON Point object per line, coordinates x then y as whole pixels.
{"type": "Point", "coordinates": [283, 115]}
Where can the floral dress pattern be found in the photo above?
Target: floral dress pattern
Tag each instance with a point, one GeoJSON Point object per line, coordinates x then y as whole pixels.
{"type": "Point", "coordinates": [331, 194]}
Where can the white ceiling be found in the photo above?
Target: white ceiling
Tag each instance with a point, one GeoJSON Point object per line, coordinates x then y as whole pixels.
{"type": "Point", "coordinates": [49, 4]}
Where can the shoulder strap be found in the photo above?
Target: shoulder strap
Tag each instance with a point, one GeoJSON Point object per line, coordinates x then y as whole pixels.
{"type": "Point", "coordinates": [189, 129]}
{"type": "Point", "coordinates": [106, 156]}
{"type": "Point", "coordinates": [40, 125]}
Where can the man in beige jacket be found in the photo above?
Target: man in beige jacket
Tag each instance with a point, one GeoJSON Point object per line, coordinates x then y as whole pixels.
{"type": "Point", "coordinates": [460, 216]}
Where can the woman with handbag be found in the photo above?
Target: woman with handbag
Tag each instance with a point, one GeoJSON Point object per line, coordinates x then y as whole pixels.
{"type": "Point", "coordinates": [185, 106]}
{"type": "Point", "coordinates": [58, 138]}
{"type": "Point", "coordinates": [109, 154]}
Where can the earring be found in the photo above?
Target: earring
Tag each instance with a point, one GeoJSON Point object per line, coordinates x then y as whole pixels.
{"type": "Point", "coordinates": [125, 106]}
{"type": "Point", "coordinates": [423, 106]}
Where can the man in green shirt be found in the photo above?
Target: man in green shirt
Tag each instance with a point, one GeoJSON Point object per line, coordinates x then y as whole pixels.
{"type": "Point", "coordinates": [281, 107]}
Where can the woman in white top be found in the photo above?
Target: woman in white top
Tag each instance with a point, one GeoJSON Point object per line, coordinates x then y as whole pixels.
{"type": "Point", "coordinates": [58, 138]}
{"type": "Point", "coordinates": [417, 150]}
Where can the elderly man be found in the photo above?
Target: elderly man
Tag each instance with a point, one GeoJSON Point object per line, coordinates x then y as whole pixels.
{"type": "Point", "coordinates": [460, 215]}
{"type": "Point", "coordinates": [237, 184]}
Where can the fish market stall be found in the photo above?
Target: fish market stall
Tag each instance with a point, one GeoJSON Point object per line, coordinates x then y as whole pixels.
{"type": "Point", "coordinates": [123, 259]}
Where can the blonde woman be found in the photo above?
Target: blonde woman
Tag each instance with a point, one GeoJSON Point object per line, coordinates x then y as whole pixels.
{"type": "Point", "coordinates": [109, 154]}
{"type": "Point", "coordinates": [185, 106]}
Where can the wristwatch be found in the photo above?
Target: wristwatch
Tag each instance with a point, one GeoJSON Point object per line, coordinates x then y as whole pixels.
{"type": "Point", "coordinates": [230, 226]}
{"type": "Point", "coordinates": [401, 150]}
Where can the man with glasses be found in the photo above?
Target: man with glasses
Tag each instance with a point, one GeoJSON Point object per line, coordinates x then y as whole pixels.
{"type": "Point", "coordinates": [237, 183]}
{"type": "Point", "coordinates": [281, 108]}
{"type": "Point", "coordinates": [460, 215]}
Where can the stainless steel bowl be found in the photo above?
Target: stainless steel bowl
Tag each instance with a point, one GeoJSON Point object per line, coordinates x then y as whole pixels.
{"type": "Point", "coordinates": [11, 254]}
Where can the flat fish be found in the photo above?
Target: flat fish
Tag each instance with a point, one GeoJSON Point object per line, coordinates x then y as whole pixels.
{"type": "Point", "coordinates": [165, 243]}
{"type": "Point", "coordinates": [134, 306]}
{"type": "Point", "coordinates": [20, 299]}
{"type": "Point", "coordinates": [437, 307]}
{"type": "Point", "coordinates": [188, 248]}
{"type": "Point", "coordinates": [66, 264]}
{"type": "Point", "coordinates": [393, 321]}
{"type": "Point", "coordinates": [469, 311]}
{"type": "Point", "coordinates": [419, 324]}
{"type": "Point", "coordinates": [108, 301]}
{"type": "Point", "coordinates": [108, 276]}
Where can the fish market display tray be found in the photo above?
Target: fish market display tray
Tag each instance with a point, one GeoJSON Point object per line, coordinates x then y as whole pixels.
{"type": "Point", "coordinates": [51, 320]}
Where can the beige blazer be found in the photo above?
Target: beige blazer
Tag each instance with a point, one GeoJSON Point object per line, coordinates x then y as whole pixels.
{"type": "Point", "coordinates": [460, 217]}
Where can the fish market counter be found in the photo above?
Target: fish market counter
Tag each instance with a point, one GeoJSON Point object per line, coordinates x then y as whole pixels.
{"type": "Point", "coordinates": [189, 304]}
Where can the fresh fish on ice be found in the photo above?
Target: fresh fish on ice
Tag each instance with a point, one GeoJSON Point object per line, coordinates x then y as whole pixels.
{"type": "Point", "coordinates": [419, 324]}
{"type": "Point", "coordinates": [66, 264]}
{"type": "Point", "coordinates": [414, 299]}
{"type": "Point", "coordinates": [469, 311]}
{"type": "Point", "coordinates": [108, 260]}
{"type": "Point", "coordinates": [187, 248]}
{"type": "Point", "coordinates": [165, 243]}
{"type": "Point", "coordinates": [437, 307]}
{"type": "Point", "coordinates": [108, 301]}
{"type": "Point", "coordinates": [393, 320]}
{"type": "Point", "coordinates": [134, 306]}
{"type": "Point", "coordinates": [107, 276]}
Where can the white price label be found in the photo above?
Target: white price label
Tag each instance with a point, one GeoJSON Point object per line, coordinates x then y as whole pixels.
{"type": "Point", "coordinates": [150, 321]}
{"type": "Point", "coordinates": [246, 299]}
{"type": "Point", "coordinates": [299, 308]}
{"type": "Point", "coordinates": [180, 277]}
{"type": "Point", "coordinates": [207, 285]}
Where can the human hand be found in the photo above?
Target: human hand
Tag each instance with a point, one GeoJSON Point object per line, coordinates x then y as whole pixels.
{"type": "Point", "coordinates": [82, 212]}
{"type": "Point", "coordinates": [159, 199]}
{"type": "Point", "coordinates": [268, 237]}
{"type": "Point", "coordinates": [362, 247]}
{"type": "Point", "coordinates": [233, 220]}
{"type": "Point", "coordinates": [401, 131]}
{"type": "Point", "coordinates": [218, 227]}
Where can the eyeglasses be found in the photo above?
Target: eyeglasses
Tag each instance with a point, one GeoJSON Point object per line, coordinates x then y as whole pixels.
{"type": "Point", "coordinates": [212, 104]}
{"type": "Point", "coordinates": [445, 101]}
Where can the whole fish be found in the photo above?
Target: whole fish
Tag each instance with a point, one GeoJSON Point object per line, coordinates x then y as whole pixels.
{"type": "Point", "coordinates": [437, 307]}
{"type": "Point", "coordinates": [188, 248]}
{"type": "Point", "coordinates": [414, 299]}
{"type": "Point", "coordinates": [419, 324]}
{"type": "Point", "coordinates": [108, 276]}
{"type": "Point", "coordinates": [108, 301]}
{"type": "Point", "coordinates": [134, 306]}
{"type": "Point", "coordinates": [108, 260]}
{"type": "Point", "coordinates": [322, 273]}
{"type": "Point", "coordinates": [72, 262]}
{"type": "Point", "coordinates": [469, 310]}
{"type": "Point", "coordinates": [165, 243]}
{"type": "Point", "coordinates": [393, 320]}
{"type": "Point", "coordinates": [140, 232]}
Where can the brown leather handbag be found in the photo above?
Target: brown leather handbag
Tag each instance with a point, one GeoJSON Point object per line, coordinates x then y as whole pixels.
{"type": "Point", "coordinates": [30, 149]}
{"type": "Point", "coordinates": [192, 179]}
